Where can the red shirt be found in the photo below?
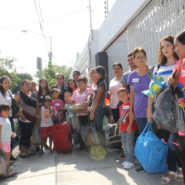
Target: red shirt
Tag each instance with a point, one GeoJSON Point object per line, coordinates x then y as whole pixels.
{"type": "Point", "coordinates": [124, 116]}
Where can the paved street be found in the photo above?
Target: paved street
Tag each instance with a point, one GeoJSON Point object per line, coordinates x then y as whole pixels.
{"type": "Point", "coordinates": [76, 169]}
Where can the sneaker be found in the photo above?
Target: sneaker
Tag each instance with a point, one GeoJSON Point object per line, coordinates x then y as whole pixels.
{"type": "Point", "coordinates": [123, 163]}
{"type": "Point", "coordinates": [128, 165]}
{"type": "Point", "coordinates": [140, 170]}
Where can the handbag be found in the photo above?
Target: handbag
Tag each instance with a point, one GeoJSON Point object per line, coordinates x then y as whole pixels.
{"type": "Point", "coordinates": [150, 151]}
{"type": "Point", "coordinates": [3, 164]}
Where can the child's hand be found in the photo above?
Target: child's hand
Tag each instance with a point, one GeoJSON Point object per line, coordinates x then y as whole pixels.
{"type": "Point", "coordinates": [13, 134]}
{"type": "Point", "coordinates": [119, 132]}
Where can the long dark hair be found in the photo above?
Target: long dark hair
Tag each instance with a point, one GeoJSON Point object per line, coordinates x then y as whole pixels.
{"type": "Point", "coordinates": [162, 60]}
{"type": "Point", "coordinates": [101, 71]}
{"type": "Point", "coordinates": [48, 91]}
{"type": "Point", "coordinates": [1, 81]}
{"type": "Point", "coordinates": [181, 37]}
{"type": "Point", "coordinates": [68, 88]}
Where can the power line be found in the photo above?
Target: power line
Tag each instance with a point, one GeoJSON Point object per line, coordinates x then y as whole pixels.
{"type": "Point", "coordinates": [40, 24]}
{"type": "Point", "coordinates": [40, 12]}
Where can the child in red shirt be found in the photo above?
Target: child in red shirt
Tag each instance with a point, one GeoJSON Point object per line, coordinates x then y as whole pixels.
{"type": "Point", "coordinates": [127, 129]}
{"type": "Point", "coordinates": [57, 104]}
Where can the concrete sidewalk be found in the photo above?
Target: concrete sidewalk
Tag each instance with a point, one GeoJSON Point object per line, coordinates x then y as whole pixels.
{"type": "Point", "coordinates": [77, 168]}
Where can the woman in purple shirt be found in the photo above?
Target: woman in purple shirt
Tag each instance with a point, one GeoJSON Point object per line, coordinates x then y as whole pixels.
{"type": "Point", "coordinates": [139, 81]}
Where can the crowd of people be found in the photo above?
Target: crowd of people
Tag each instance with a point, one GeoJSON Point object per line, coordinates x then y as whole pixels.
{"type": "Point", "coordinates": [129, 106]}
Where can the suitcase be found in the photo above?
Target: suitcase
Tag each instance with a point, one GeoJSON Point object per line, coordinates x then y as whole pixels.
{"type": "Point", "coordinates": [62, 137]}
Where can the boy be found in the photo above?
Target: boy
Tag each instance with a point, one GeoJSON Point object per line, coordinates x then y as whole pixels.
{"type": "Point", "coordinates": [127, 129]}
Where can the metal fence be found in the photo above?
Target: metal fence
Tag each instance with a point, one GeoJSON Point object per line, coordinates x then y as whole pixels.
{"type": "Point", "coordinates": [158, 19]}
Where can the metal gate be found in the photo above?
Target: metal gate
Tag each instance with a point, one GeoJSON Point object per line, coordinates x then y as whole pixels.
{"type": "Point", "coordinates": [158, 19]}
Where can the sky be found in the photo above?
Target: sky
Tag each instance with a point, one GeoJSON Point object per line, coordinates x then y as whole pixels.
{"type": "Point", "coordinates": [65, 21]}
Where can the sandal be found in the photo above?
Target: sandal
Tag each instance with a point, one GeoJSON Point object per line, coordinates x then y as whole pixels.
{"type": "Point", "coordinates": [24, 155]}
{"type": "Point", "coordinates": [11, 174]}
{"type": "Point", "coordinates": [180, 177]}
{"type": "Point", "coordinates": [167, 179]}
{"type": "Point", "coordinates": [41, 152]}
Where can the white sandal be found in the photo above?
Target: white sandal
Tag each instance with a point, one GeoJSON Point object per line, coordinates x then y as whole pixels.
{"type": "Point", "coordinates": [180, 176]}
{"type": "Point", "coordinates": [168, 179]}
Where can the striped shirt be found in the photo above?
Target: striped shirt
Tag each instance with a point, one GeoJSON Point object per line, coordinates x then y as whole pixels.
{"type": "Point", "coordinates": [164, 71]}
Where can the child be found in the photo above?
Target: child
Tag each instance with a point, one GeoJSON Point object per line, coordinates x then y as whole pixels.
{"type": "Point", "coordinates": [127, 129]}
{"type": "Point", "coordinates": [97, 112]}
{"type": "Point", "coordinates": [46, 123]}
{"type": "Point", "coordinates": [68, 105]}
{"type": "Point", "coordinates": [6, 133]}
{"type": "Point", "coordinates": [57, 104]}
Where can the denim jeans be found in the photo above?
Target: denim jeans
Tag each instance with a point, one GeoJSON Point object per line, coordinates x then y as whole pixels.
{"type": "Point", "coordinates": [128, 145]}
{"type": "Point", "coordinates": [172, 159]}
{"type": "Point", "coordinates": [25, 134]}
{"type": "Point", "coordinates": [141, 123]}
{"type": "Point", "coordinates": [99, 114]}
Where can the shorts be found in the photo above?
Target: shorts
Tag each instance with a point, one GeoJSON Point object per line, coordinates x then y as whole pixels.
{"type": "Point", "coordinates": [6, 146]}
{"type": "Point", "coordinates": [46, 132]}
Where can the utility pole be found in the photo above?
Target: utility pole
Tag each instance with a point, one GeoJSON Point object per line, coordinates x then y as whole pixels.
{"type": "Point", "coordinates": [91, 33]}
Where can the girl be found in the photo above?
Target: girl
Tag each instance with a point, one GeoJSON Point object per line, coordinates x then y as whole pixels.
{"type": "Point", "coordinates": [57, 104]}
{"type": "Point", "coordinates": [97, 112]}
{"type": "Point", "coordinates": [6, 133]}
{"type": "Point", "coordinates": [61, 86]}
{"type": "Point", "coordinates": [44, 90]}
{"type": "Point", "coordinates": [27, 119]}
{"type": "Point", "coordinates": [71, 85]}
{"type": "Point", "coordinates": [139, 81]}
{"type": "Point", "coordinates": [179, 81]}
{"type": "Point", "coordinates": [46, 115]}
{"type": "Point", "coordinates": [166, 62]}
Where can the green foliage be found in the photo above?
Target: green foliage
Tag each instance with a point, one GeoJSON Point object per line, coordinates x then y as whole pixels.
{"type": "Point", "coordinates": [50, 74]}
{"type": "Point", "coordinates": [20, 77]}
{"type": "Point", "coordinates": [7, 68]}
{"type": "Point", "coordinates": [64, 70]}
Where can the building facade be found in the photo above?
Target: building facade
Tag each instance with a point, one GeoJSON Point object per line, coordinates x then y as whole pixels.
{"type": "Point", "coordinates": [133, 23]}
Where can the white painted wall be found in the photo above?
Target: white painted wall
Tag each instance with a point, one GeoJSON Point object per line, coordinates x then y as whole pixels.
{"type": "Point", "coordinates": [120, 15]}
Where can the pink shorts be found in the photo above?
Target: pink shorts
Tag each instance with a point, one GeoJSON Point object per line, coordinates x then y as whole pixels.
{"type": "Point", "coordinates": [6, 146]}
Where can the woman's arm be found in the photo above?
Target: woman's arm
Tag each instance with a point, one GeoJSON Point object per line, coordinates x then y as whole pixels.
{"type": "Point", "coordinates": [96, 102]}
{"type": "Point", "coordinates": [131, 112]}
{"type": "Point", "coordinates": [149, 111]}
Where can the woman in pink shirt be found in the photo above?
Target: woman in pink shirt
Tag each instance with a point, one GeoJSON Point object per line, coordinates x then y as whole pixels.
{"type": "Point", "coordinates": [114, 85]}
{"type": "Point", "coordinates": [83, 95]}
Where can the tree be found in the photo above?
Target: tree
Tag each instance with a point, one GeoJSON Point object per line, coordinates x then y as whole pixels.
{"type": "Point", "coordinates": [50, 74]}
{"type": "Point", "coordinates": [64, 70]}
{"type": "Point", "coordinates": [20, 77]}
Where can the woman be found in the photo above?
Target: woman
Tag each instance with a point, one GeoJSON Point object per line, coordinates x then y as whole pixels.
{"type": "Point", "coordinates": [44, 90]}
{"type": "Point", "coordinates": [92, 79]}
{"type": "Point", "coordinates": [27, 120]}
{"type": "Point", "coordinates": [179, 80]}
{"type": "Point", "coordinates": [61, 86]}
{"type": "Point", "coordinates": [82, 95]}
{"type": "Point", "coordinates": [71, 86]}
{"type": "Point", "coordinates": [114, 85]}
{"type": "Point", "coordinates": [166, 62]}
{"type": "Point", "coordinates": [139, 81]}
{"type": "Point", "coordinates": [6, 98]}
{"type": "Point", "coordinates": [97, 112]}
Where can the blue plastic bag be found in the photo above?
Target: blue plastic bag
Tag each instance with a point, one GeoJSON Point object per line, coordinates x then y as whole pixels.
{"type": "Point", "coordinates": [150, 151]}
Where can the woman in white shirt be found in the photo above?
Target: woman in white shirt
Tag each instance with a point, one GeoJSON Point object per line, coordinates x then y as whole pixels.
{"type": "Point", "coordinates": [114, 85]}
